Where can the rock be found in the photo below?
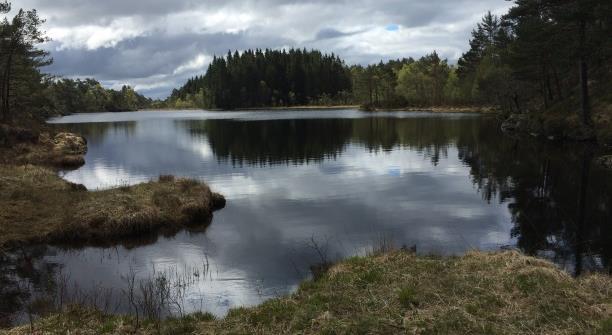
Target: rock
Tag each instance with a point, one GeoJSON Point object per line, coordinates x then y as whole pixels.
{"type": "Point", "coordinates": [69, 144]}
{"type": "Point", "coordinates": [367, 108]}
{"type": "Point", "coordinates": [605, 161]}
{"type": "Point", "coordinates": [515, 122]}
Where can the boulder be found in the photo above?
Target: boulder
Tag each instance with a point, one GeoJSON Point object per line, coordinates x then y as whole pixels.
{"type": "Point", "coordinates": [515, 122]}
{"type": "Point", "coordinates": [605, 161]}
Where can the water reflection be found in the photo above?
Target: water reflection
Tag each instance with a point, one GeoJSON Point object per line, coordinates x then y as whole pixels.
{"type": "Point", "coordinates": [347, 180]}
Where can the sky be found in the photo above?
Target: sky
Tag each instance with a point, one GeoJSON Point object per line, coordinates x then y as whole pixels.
{"type": "Point", "coordinates": [155, 45]}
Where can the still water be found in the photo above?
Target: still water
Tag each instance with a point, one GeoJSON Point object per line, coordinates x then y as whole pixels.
{"type": "Point", "coordinates": [304, 187]}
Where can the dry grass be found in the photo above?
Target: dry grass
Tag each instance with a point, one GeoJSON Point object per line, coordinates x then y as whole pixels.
{"type": "Point", "coordinates": [400, 293]}
{"type": "Point", "coordinates": [38, 206]}
{"type": "Point", "coordinates": [23, 146]}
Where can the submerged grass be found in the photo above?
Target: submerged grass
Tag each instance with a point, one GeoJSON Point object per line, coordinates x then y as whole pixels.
{"type": "Point", "coordinates": [399, 293]}
{"type": "Point", "coordinates": [38, 206]}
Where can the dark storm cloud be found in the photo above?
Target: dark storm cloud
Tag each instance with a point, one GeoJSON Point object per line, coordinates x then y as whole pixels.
{"type": "Point", "coordinates": [328, 33]}
{"type": "Point", "coordinates": [157, 44]}
{"type": "Point", "coordinates": [126, 59]}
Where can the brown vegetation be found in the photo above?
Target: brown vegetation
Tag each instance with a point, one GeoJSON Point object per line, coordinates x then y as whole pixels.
{"type": "Point", "coordinates": [37, 206]}
{"type": "Point", "coordinates": [398, 292]}
{"type": "Point", "coordinates": [19, 146]}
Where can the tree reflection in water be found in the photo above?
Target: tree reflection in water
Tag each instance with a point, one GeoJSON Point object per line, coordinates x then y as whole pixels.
{"type": "Point", "coordinates": [559, 201]}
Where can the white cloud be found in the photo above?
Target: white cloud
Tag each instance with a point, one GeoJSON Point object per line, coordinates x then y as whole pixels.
{"type": "Point", "coordinates": [197, 64]}
{"type": "Point", "coordinates": [156, 45]}
{"type": "Point", "coordinates": [92, 37]}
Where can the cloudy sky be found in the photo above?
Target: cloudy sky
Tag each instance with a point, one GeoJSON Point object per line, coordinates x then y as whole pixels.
{"type": "Point", "coordinates": [155, 45]}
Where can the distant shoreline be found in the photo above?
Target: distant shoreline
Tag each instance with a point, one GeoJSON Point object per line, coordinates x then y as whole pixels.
{"type": "Point", "coordinates": [437, 109]}
{"type": "Point", "coordinates": [442, 109]}
{"type": "Point", "coordinates": [299, 107]}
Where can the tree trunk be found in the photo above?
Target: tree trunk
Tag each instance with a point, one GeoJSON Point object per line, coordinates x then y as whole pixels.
{"type": "Point", "coordinates": [557, 83]}
{"type": "Point", "coordinates": [515, 97]}
{"type": "Point", "coordinates": [2, 97]}
{"type": "Point", "coordinates": [6, 112]}
{"type": "Point", "coordinates": [584, 78]}
{"type": "Point", "coordinates": [4, 92]}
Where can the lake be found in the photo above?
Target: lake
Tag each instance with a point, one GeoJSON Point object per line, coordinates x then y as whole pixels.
{"type": "Point", "coordinates": [304, 187]}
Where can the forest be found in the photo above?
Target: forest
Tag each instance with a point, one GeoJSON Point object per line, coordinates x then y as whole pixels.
{"type": "Point", "coordinates": [26, 92]}
{"type": "Point", "coordinates": [545, 62]}
{"type": "Point", "coordinates": [256, 78]}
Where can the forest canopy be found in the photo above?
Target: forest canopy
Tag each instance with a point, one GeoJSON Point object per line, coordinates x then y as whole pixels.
{"type": "Point", "coordinates": [547, 61]}
{"type": "Point", "coordinates": [262, 78]}
{"type": "Point", "coordinates": [540, 56]}
{"type": "Point", "coordinates": [26, 92]}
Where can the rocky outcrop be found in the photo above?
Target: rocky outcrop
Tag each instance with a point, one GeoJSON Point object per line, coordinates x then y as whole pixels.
{"type": "Point", "coordinates": [515, 123]}
{"type": "Point", "coordinates": [605, 162]}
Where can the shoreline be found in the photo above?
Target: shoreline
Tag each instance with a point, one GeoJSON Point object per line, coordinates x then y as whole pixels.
{"type": "Point", "coordinates": [37, 206]}
{"type": "Point", "coordinates": [393, 292]}
{"type": "Point", "coordinates": [442, 109]}
{"type": "Point", "coordinates": [435, 109]}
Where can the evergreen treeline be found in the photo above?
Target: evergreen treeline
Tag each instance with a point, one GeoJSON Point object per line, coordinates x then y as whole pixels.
{"type": "Point", "coordinates": [546, 60]}
{"type": "Point", "coordinates": [27, 93]}
{"type": "Point", "coordinates": [65, 96]}
{"type": "Point", "coordinates": [256, 78]}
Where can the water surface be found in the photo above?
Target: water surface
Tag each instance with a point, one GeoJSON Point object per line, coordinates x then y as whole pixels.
{"type": "Point", "coordinates": [308, 186]}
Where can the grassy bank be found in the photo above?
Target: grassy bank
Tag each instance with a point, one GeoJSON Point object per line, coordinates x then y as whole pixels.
{"type": "Point", "coordinates": [398, 293]}
{"type": "Point", "coordinates": [37, 206]}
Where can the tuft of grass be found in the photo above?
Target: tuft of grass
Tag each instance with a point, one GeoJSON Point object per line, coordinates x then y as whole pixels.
{"type": "Point", "coordinates": [408, 297]}
{"type": "Point", "coordinates": [38, 206]}
{"type": "Point", "coordinates": [606, 326]}
{"type": "Point", "coordinates": [479, 293]}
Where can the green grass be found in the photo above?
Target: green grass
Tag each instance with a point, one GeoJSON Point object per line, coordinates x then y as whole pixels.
{"type": "Point", "coordinates": [480, 293]}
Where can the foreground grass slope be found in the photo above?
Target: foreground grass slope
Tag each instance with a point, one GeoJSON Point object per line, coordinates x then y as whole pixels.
{"type": "Point", "coordinates": [398, 293]}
